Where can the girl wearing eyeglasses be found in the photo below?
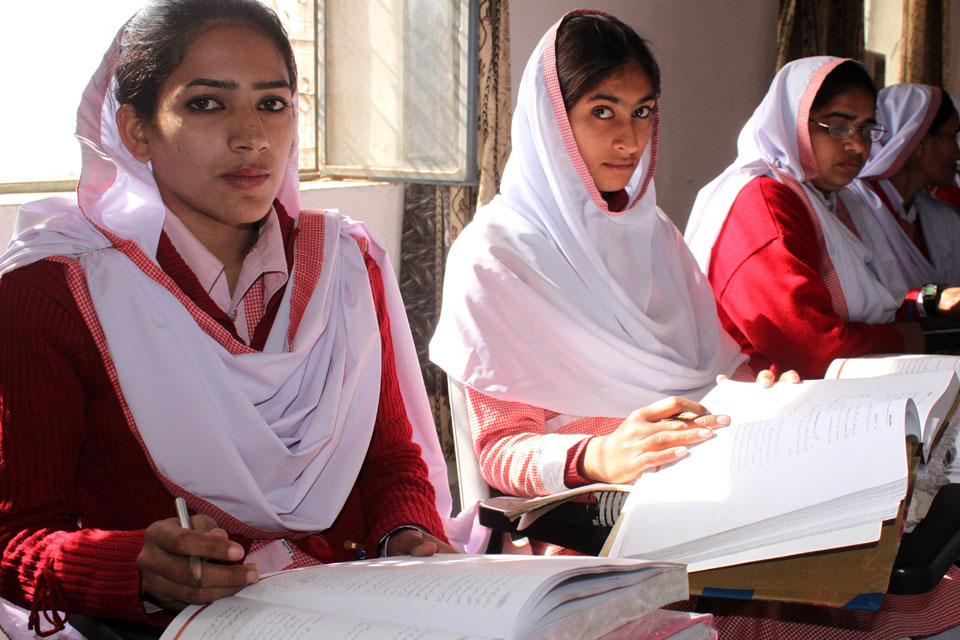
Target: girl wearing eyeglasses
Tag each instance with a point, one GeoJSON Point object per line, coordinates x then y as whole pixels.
{"type": "Point", "coordinates": [920, 152]}
{"type": "Point", "coordinates": [792, 264]}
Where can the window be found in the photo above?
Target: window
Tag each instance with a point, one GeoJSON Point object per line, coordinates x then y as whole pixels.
{"type": "Point", "coordinates": [385, 86]}
{"type": "Point", "coordinates": [883, 34]}
{"type": "Point", "coordinates": [50, 48]}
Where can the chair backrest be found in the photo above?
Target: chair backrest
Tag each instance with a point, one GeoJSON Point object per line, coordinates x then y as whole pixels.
{"type": "Point", "coordinates": [471, 483]}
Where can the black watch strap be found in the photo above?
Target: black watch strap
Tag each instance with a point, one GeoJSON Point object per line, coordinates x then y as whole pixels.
{"type": "Point", "coordinates": [930, 296]}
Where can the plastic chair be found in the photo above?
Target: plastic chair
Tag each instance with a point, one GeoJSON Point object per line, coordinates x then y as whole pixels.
{"type": "Point", "coordinates": [473, 488]}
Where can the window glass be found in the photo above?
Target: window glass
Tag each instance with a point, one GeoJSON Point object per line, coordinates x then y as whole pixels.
{"type": "Point", "coordinates": [384, 86]}
{"type": "Point", "coordinates": [49, 51]}
{"type": "Point", "coordinates": [399, 78]}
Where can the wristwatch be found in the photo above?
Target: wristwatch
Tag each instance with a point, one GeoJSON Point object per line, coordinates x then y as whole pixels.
{"type": "Point", "coordinates": [930, 298]}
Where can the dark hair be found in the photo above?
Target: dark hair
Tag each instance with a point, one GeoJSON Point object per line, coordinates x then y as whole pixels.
{"type": "Point", "coordinates": [947, 109]}
{"type": "Point", "coordinates": [845, 76]}
{"type": "Point", "coordinates": [591, 48]}
{"type": "Point", "coordinates": [157, 39]}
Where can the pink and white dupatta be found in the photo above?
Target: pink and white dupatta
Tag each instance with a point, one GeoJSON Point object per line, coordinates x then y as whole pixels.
{"type": "Point", "coordinates": [553, 300]}
{"type": "Point", "coordinates": [907, 110]}
{"type": "Point", "coordinates": [268, 442]}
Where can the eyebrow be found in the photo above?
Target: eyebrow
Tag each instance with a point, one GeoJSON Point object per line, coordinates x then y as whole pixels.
{"type": "Point", "coordinates": [845, 116]}
{"type": "Point", "coordinates": [232, 85]}
{"type": "Point", "coordinates": [616, 100]}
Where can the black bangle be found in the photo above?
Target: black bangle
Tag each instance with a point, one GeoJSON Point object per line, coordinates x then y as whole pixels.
{"type": "Point", "coordinates": [930, 297]}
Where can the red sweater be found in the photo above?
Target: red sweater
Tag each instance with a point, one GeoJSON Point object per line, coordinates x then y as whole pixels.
{"type": "Point", "coordinates": [764, 270]}
{"type": "Point", "coordinates": [76, 491]}
{"type": "Point", "coordinates": [950, 195]}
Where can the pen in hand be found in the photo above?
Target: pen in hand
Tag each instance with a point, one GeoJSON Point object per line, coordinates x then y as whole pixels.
{"type": "Point", "coordinates": [195, 567]}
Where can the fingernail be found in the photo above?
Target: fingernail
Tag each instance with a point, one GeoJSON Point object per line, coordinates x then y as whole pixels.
{"type": "Point", "coordinates": [252, 576]}
{"type": "Point", "coordinates": [723, 419]}
{"type": "Point", "coordinates": [235, 552]}
{"type": "Point", "coordinates": [682, 452]}
{"type": "Point", "coordinates": [704, 433]}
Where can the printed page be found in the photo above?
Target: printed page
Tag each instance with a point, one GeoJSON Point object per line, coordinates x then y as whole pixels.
{"type": "Point", "coordinates": [486, 595]}
{"type": "Point", "coordinates": [754, 471]}
{"type": "Point", "coordinates": [885, 365]}
{"type": "Point", "coordinates": [243, 619]}
{"type": "Point", "coordinates": [932, 392]}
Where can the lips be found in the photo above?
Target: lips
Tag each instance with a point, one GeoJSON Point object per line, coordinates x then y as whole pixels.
{"type": "Point", "coordinates": [620, 166]}
{"type": "Point", "coordinates": [850, 165]}
{"type": "Point", "coordinates": [246, 177]}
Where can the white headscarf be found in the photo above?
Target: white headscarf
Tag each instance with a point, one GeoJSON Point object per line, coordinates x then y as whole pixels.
{"type": "Point", "coordinates": [553, 300]}
{"type": "Point", "coordinates": [908, 110]}
{"type": "Point", "coordinates": [775, 142]}
{"type": "Point", "coordinates": [266, 441]}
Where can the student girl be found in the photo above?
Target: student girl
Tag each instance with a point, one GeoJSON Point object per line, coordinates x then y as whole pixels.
{"type": "Point", "coordinates": [920, 152]}
{"type": "Point", "coordinates": [793, 268]}
{"type": "Point", "coordinates": [182, 328]}
{"type": "Point", "coordinates": [573, 314]}
{"type": "Point", "coordinates": [570, 302]}
{"type": "Point", "coordinates": [572, 311]}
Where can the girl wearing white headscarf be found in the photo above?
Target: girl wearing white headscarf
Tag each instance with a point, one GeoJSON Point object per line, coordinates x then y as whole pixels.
{"type": "Point", "coordinates": [572, 296]}
{"type": "Point", "coordinates": [271, 381]}
{"type": "Point", "coordinates": [570, 301]}
{"type": "Point", "coordinates": [798, 284]}
{"type": "Point", "coordinates": [920, 151]}
{"type": "Point", "coordinates": [790, 262]}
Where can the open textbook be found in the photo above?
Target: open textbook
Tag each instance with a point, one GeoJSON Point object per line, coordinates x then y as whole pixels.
{"type": "Point", "coordinates": [933, 392]}
{"type": "Point", "coordinates": [443, 597]}
{"type": "Point", "coordinates": [873, 366]}
{"type": "Point", "coordinates": [802, 468]}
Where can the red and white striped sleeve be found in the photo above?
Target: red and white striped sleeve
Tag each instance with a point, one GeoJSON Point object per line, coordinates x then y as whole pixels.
{"type": "Point", "coordinates": [518, 455]}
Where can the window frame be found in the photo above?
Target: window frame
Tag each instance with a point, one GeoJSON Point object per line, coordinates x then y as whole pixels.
{"type": "Point", "coordinates": [465, 174]}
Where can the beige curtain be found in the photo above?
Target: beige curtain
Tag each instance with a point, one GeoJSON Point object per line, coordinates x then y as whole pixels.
{"type": "Point", "coordinates": [434, 215]}
{"type": "Point", "coordinates": [926, 41]}
{"type": "Point", "coordinates": [819, 27]}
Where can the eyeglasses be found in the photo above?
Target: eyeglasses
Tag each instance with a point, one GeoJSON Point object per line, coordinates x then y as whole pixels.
{"type": "Point", "coordinates": [845, 130]}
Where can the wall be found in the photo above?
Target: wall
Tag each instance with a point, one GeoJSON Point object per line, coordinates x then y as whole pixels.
{"type": "Point", "coordinates": [716, 58]}
{"type": "Point", "coordinates": [379, 205]}
{"type": "Point", "coordinates": [952, 81]}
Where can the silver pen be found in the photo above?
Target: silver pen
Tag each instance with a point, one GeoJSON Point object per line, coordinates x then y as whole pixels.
{"type": "Point", "coordinates": [195, 567]}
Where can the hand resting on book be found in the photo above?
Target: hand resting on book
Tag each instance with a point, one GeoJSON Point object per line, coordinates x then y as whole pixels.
{"type": "Point", "coordinates": [650, 437]}
{"type": "Point", "coordinates": [413, 542]}
{"type": "Point", "coordinates": [657, 435]}
{"type": "Point", "coordinates": [767, 378]}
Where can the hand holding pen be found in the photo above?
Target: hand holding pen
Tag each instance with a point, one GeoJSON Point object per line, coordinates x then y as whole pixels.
{"type": "Point", "coordinates": [169, 577]}
{"type": "Point", "coordinates": [195, 567]}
